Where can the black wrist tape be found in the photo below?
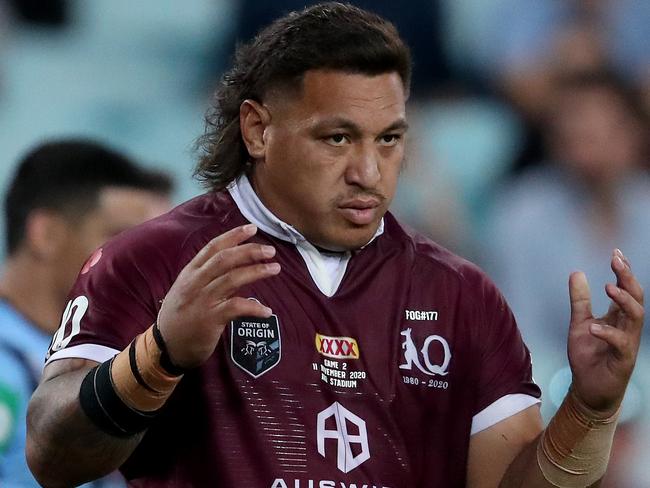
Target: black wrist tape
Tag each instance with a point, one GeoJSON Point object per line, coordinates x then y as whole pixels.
{"type": "Point", "coordinates": [165, 360]}
{"type": "Point", "coordinates": [134, 368]}
{"type": "Point", "coordinates": [102, 405]}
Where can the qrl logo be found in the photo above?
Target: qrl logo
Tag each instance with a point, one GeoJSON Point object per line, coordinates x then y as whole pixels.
{"type": "Point", "coordinates": [412, 357]}
{"type": "Point", "coordinates": [346, 461]}
{"type": "Point", "coordinates": [337, 347]}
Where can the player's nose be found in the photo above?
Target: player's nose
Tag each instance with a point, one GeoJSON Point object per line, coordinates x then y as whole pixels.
{"type": "Point", "coordinates": [363, 168]}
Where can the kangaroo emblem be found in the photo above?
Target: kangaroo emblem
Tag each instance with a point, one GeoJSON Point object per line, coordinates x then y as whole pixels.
{"type": "Point", "coordinates": [412, 357]}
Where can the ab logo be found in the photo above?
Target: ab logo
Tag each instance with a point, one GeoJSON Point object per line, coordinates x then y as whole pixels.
{"type": "Point", "coordinates": [346, 461]}
{"type": "Point", "coordinates": [412, 357]}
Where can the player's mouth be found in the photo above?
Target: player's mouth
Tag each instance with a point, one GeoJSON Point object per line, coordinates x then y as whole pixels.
{"type": "Point", "coordinates": [360, 211]}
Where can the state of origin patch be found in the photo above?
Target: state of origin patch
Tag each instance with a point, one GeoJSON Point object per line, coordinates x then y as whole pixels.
{"type": "Point", "coordinates": [255, 344]}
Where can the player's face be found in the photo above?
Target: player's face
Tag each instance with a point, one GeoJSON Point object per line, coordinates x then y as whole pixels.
{"type": "Point", "coordinates": [332, 156]}
{"type": "Point", "coordinates": [118, 210]}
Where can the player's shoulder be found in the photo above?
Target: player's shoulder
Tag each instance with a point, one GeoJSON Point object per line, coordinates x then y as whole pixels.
{"type": "Point", "coordinates": [209, 212]}
{"type": "Point", "coordinates": [430, 258]}
{"type": "Point", "coordinates": [182, 230]}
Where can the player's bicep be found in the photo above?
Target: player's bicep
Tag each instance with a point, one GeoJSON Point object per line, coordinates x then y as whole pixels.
{"type": "Point", "coordinates": [492, 450]}
{"type": "Point", "coordinates": [58, 368]}
{"type": "Point", "coordinates": [56, 393]}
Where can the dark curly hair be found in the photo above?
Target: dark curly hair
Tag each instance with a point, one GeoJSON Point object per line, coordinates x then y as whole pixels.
{"type": "Point", "coordinates": [329, 35]}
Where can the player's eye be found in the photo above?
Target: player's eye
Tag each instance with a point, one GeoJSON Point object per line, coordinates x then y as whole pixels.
{"type": "Point", "coordinates": [336, 139]}
{"type": "Point", "coordinates": [390, 139]}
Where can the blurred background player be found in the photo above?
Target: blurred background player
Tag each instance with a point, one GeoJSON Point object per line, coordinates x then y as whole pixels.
{"type": "Point", "coordinates": [66, 198]}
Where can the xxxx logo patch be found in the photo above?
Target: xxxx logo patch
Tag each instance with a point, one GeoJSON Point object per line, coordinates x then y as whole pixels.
{"type": "Point", "coordinates": [337, 347]}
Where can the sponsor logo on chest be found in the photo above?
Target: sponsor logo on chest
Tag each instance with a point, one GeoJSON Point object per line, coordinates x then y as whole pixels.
{"type": "Point", "coordinates": [337, 364]}
{"type": "Point", "coordinates": [337, 347]}
{"type": "Point", "coordinates": [342, 440]}
{"type": "Point", "coordinates": [310, 483]}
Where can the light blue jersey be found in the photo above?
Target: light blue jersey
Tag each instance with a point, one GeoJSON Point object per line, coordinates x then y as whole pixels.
{"type": "Point", "coordinates": [22, 353]}
{"type": "Point", "coordinates": [22, 349]}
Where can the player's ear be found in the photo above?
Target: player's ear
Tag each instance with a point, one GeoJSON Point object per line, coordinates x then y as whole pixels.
{"type": "Point", "coordinates": [45, 233]}
{"type": "Point", "coordinates": [253, 120]}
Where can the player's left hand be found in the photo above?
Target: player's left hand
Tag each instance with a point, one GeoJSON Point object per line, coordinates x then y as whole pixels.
{"type": "Point", "coordinates": [602, 351]}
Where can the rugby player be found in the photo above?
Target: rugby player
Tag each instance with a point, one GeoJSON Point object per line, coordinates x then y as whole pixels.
{"type": "Point", "coordinates": [284, 330]}
{"type": "Point", "coordinates": [66, 197]}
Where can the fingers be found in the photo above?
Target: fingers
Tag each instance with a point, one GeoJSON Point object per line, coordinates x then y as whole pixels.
{"type": "Point", "coordinates": [224, 241]}
{"type": "Point", "coordinates": [580, 297]}
{"type": "Point", "coordinates": [241, 307]}
{"type": "Point", "coordinates": [619, 253]}
{"type": "Point", "coordinates": [627, 304]}
{"type": "Point", "coordinates": [226, 285]}
{"type": "Point", "coordinates": [232, 258]}
{"type": "Point", "coordinates": [226, 263]}
{"type": "Point", "coordinates": [615, 338]}
{"type": "Point", "coordinates": [625, 279]}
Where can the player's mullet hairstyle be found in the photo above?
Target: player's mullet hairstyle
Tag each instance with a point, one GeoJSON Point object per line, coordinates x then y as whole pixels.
{"type": "Point", "coordinates": [331, 35]}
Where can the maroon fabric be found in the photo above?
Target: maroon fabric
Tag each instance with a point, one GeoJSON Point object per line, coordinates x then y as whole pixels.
{"type": "Point", "coordinates": [379, 425]}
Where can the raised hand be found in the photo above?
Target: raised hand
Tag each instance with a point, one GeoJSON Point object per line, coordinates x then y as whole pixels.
{"type": "Point", "coordinates": [602, 351]}
{"type": "Point", "coordinates": [202, 300]}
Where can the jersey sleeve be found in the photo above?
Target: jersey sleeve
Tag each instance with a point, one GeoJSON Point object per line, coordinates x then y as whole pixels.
{"type": "Point", "coordinates": [505, 381]}
{"type": "Point", "coordinates": [117, 295]}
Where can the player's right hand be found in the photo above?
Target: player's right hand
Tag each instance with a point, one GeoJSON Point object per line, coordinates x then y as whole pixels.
{"type": "Point", "coordinates": [603, 351]}
{"type": "Point", "coordinates": [202, 300]}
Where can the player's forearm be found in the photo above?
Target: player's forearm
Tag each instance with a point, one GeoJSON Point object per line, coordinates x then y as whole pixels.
{"type": "Point", "coordinates": [97, 413]}
{"type": "Point", "coordinates": [64, 448]}
{"type": "Point", "coordinates": [524, 472]}
{"type": "Point", "coordinates": [573, 451]}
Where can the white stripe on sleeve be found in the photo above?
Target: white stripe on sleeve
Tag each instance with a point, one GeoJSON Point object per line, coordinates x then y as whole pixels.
{"type": "Point", "coordinates": [504, 407]}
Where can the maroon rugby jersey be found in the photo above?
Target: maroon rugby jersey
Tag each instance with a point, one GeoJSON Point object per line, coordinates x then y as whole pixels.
{"type": "Point", "coordinates": [380, 384]}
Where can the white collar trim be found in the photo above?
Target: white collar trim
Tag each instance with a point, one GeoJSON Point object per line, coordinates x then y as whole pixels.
{"type": "Point", "coordinates": [327, 270]}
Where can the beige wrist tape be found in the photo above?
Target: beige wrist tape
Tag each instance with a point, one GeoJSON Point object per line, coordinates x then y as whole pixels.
{"type": "Point", "coordinates": [138, 378]}
{"type": "Point", "coordinates": [574, 449]}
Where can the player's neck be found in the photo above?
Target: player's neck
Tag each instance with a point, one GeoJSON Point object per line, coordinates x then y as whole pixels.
{"type": "Point", "coordinates": [28, 287]}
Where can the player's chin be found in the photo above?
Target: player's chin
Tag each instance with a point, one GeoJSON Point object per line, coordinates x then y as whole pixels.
{"type": "Point", "coordinates": [351, 237]}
